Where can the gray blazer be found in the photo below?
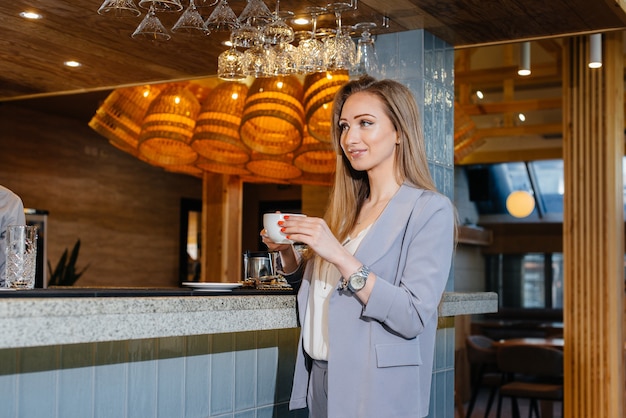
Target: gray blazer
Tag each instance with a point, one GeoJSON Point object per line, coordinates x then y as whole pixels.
{"type": "Point", "coordinates": [381, 355]}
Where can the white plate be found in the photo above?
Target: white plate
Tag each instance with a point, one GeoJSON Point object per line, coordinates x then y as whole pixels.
{"type": "Point", "coordinates": [213, 287]}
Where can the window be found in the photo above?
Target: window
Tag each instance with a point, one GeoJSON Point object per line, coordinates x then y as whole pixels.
{"type": "Point", "coordinates": [530, 281]}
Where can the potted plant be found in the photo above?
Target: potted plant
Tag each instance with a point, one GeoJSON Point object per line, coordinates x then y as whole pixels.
{"type": "Point", "coordinates": [65, 273]}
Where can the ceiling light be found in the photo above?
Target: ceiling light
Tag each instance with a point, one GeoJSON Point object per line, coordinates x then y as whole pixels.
{"type": "Point", "coordinates": [480, 94]}
{"type": "Point", "coordinates": [522, 117]}
{"type": "Point", "coordinates": [524, 64]}
{"type": "Point", "coordinates": [301, 21]}
{"type": "Point", "coordinates": [595, 50]}
{"type": "Point", "coordinates": [31, 15]}
{"type": "Point", "coordinates": [520, 204]}
{"type": "Point", "coordinates": [72, 63]}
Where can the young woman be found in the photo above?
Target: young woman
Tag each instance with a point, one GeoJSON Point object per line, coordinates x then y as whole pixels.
{"type": "Point", "coordinates": [369, 291]}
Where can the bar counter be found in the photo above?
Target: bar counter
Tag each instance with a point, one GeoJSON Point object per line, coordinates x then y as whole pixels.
{"type": "Point", "coordinates": [44, 317]}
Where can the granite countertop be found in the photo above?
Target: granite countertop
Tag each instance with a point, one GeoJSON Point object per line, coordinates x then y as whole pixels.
{"type": "Point", "coordinates": [68, 316]}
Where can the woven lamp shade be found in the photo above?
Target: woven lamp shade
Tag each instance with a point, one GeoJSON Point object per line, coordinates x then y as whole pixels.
{"type": "Point", "coordinates": [319, 93]}
{"type": "Point", "coordinates": [222, 168]}
{"type": "Point", "coordinates": [273, 166]}
{"type": "Point", "coordinates": [315, 156]}
{"type": "Point", "coordinates": [168, 127]}
{"type": "Point", "coordinates": [120, 116]}
{"type": "Point", "coordinates": [216, 135]}
{"type": "Point", "coordinates": [273, 116]}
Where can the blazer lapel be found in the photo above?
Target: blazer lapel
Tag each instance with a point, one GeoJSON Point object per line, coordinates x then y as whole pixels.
{"type": "Point", "coordinates": [389, 225]}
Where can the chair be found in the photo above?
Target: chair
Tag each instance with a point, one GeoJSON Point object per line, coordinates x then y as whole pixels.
{"type": "Point", "coordinates": [533, 372]}
{"type": "Point", "coordinates": [481, 354]}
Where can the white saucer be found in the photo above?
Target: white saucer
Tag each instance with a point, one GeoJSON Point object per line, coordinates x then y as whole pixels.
{"type": "Point", "coordinates": [213, 286]}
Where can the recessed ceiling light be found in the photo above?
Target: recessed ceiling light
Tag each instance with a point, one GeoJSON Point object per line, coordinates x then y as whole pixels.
{"type": "Point", "coordinates": [31, 15]}
{"type": "Point", "coordinates": [72, 64]}
{"type": "Point", "coordinates": [301, 21]}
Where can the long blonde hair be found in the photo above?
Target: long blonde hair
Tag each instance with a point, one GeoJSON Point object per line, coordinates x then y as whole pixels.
{"type": "Point", "coordinates": [352, 187]}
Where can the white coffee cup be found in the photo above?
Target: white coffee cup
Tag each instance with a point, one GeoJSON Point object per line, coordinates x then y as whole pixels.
{"type": "Point", "coordinates": [270, 223]}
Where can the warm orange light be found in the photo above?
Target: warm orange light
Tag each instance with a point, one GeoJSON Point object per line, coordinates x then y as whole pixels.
{"type": "Point", "coordinates": [520, 204]}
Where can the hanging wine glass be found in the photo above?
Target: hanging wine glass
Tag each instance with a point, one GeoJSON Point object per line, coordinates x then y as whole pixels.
{"type": "Point", "coordinates": [339, 50]}
{"type": "Point", "coordinates": [252, 18]}
{"type": "Point", "coordinates": [366, 60]}
{"type": "Point", "coordinates": [119, 8]}
{"type": "Point", "coordinates": [222, 19]}
{"type": "Point", "coordinates": [285, 59]}
{"type": "Point", "coordinates": [246, 36]}
{"type": "Point", "coordinates": [259, 61]}
{"type": "Point", "coordinates": [310, 55]}
{"type": "Point", "coordinates": [255, 13]}
{"type": "Point", "coordinates": [230, 65]}
{"type": "Point", "coordinates": [162, 5]}
{"type": "Point", "coordinates": [151, 28]}
{"type": "Point", "coordinates": [190, 22]}
{"type": "Point", "coordinates": [277, 31]}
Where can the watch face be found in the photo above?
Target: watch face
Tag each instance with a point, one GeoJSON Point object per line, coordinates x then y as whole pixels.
{"type": "Point", "coordinates": [357, 282]}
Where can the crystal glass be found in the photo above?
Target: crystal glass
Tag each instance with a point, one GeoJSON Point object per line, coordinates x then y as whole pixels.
{"type": "Point", "coordinates": [222, 19]}
{"type": "Point", "coordinates": [255, 13]}
{"type": "Point", "coordinates": [310, 55]}
{"type": "Point", "coordinates": [285, 59]}
{"type": "Point", "coordinates": [119, 8]}
{"type": "Point", "coordinates": [190, 22]}
{"type": "Point", "coordinates": [259, 61]}
{"type": "Point", "coordinates": [339, 50]}
{"type": "Point", "coordinates": [366, 59]}
{"type": "Point", "coordinates": [277, 31]}
{"type": "Point", "coordinates": [21, 256]}
{"type": "Point", "coordinates": [230, 65]}
{"type": "Point", "coordinates": [246, 36]}
{"type": "Point", "coordinates": [162, 5]}
{"type": "Point", "coordinates": [151, 28]}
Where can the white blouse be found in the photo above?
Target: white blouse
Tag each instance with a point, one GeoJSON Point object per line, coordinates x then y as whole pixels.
{"type": "Point", "coordinates": [325, 279]}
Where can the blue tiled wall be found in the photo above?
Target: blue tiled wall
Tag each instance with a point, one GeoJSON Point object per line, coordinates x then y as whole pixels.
{"type": "Point", "coordinates": [426, 65]}
{"type": "Point", "coordinates": [242, 375]}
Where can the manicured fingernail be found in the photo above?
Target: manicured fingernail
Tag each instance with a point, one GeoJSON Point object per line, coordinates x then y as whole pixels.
{"type": "Point", "coordinates": [282, 229]}
{"type": "Point", "coordinates": [281, 223]}
{"type": "Point", "coordinates": [286, 217]}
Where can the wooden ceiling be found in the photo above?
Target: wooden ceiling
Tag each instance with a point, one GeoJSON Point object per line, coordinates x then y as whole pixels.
{"type": "Point", "coordinates": [32, 52]}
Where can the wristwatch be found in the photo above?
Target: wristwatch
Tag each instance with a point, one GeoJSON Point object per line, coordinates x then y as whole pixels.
{"type": "Point", "coordinates": [357, 280]}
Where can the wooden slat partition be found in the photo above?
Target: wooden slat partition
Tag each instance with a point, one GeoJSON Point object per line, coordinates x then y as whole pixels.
{"type": "Point", "coordinates": [593, 230]}
{"type": "Point", "coordinates": [221, 222]}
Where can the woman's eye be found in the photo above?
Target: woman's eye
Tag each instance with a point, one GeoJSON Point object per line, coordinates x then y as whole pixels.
{"type": "Point", "coordinates": [343, 126]}
{"type": "Point", "coordinates": [366, 123]}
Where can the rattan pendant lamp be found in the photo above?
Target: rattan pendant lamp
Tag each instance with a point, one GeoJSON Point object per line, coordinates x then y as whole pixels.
{"type": "Point", "coordinates": [168, 127]}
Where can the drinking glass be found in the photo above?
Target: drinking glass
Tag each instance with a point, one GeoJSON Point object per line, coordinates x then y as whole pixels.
{"type": "Point", "coordinates": [222, 19]}
{"type": "Point", "coordinates": [151, 28]}
{"type": "Point", "coordinates": [162, 5]}
{"type": "Point", "coordinates": [230, 65]}
{"type": "Point", "coordinates": [255, 13]}
{"type": "Point", "coordinates": [285, 59]}
{"type": "Point", "coordinates": [190, 22]}
{"type": "Point", "coordinates": [310, 55]}
{"type": "Point", "coordinates": [119, 8]}
{"type": "Point", "coordinates": [366, 61]}
{"type": "Point", "coordinates": [339, 50]}
{"type": "Point", "coordinates": [21, 256]}
{"type": "Point", "coordinates": [259, 61]}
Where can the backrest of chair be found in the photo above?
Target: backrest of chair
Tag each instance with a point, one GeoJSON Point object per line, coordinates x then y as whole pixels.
{"type": "Point", "coordinates": [529, 359]}
{"type": "Point", "coordinates": [480, 349]}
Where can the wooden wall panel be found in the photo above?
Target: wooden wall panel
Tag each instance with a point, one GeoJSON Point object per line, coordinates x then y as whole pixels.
{"type": "Point", "coordinates": [125, 212]}
{"type": "Point", "coordinates": [592, 230]}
